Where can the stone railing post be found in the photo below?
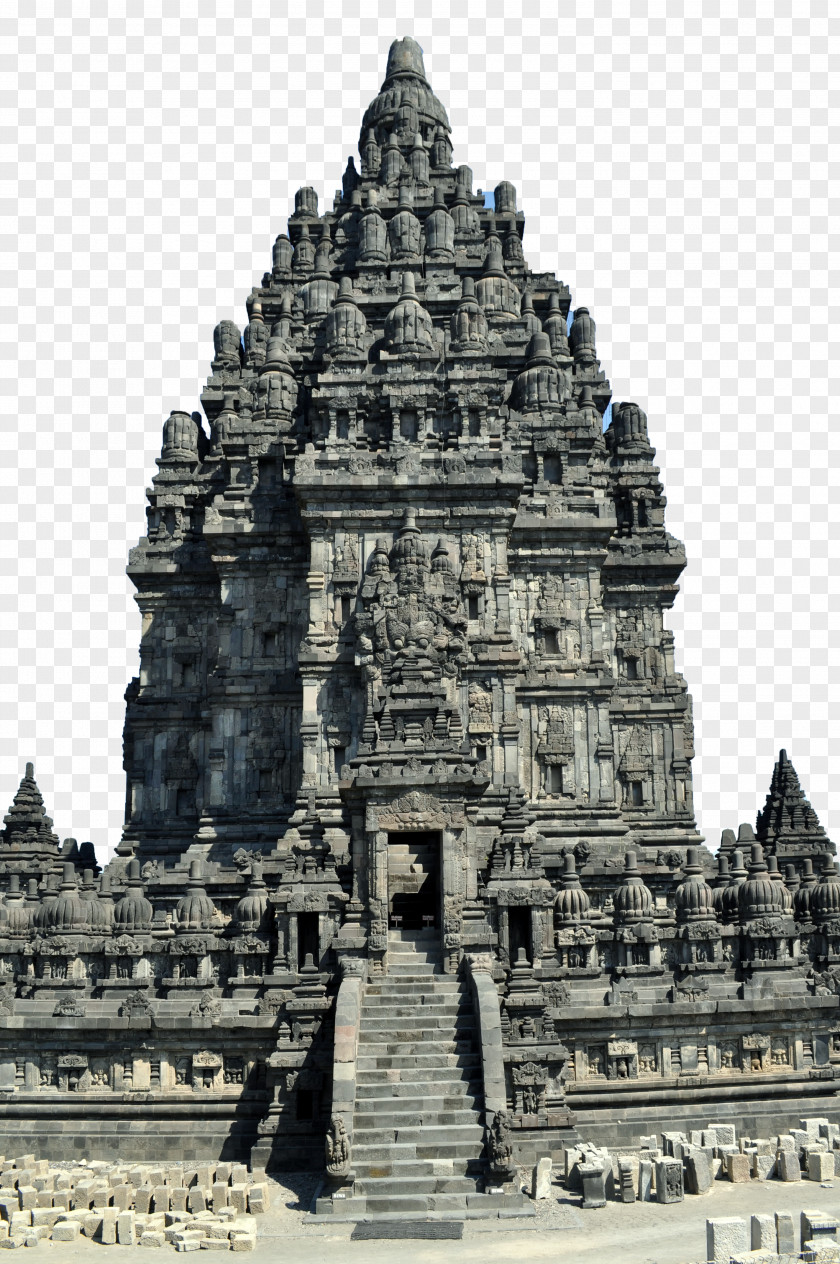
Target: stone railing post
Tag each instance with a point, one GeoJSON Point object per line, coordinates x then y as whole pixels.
{"type": "Point", "coordinates": [485, 999]}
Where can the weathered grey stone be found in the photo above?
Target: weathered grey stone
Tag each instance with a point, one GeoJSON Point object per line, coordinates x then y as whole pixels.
{"type": "Point", "coordinates": [787, 1166]}
{"type": "Point", "coordinates": [738, 1167]}
{"type": "Point", "coordinates": [820, 1166]}
{"type": "Point", "coordinates": [404, 604]}
{"type": "Point", "coordinates": [725, 1238]}
{"type": "Point", "coordinates": [645, 1185]}
{"type": "Point", "coordinates": [698, 1173]}
{"type": "Point", "coordinates": [669, 1181]}
{"type": "Point", "coordinates": [763, 1232]}
{"type": "Point", "coordinates": [785, 1232]}
{"type": "Point", "coordinates": [540, 1179]}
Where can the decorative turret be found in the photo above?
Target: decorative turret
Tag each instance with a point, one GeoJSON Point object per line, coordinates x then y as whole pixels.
{"type": "Point", "coordinates": [406, 104]}
{"type": "Point", "coordinates": [373, 232]}
{"type": "Point", "coordinates": [227, 346]}
{"type": "Point", "coordinates": [787, 825]}
{"type": "Point", "coordinates": [759, 895]}
{"type": "Point", "coordinates": [825, 896]}
{"type": "Point", "coordinates": [252, 910]}
{"type": "Point", "coordinates": [439, 229]}
{"type": "Point", "coordinates": [468, 325]}
{"type": "Point", "coordinates": [737, 877]}
{"type": "Point", "coordinates": [183, 439]}
{"type": "Point", "coordinates": [346, 324]}
{"type": "Point", "coordinates": [802, 898]}
{"type": "Point", "coordinates": [572, 904]}
{"type": "Point", "coordinates": [582, 338]}
{"type": "Point", "coordinates": [632, 901]}
{"type": "Point", "coordinates": [404, 230]}
{"type": "Point", "coordinates": [306, 204]}
{"type": "Point", "coordinates": [133, 913]}
{"type": "Point", "coordinates": [318, 294]}
{"type": "Point", "coordinates": [303, 258]}
{"type": "Point", "coordinates": [694, 899]}
{"type": "Point", "coordinates": [495, 291]}
{"type": "Point", "coordinates": [464, 216]}
{"type": "Point", "coordinates": [540, 385]}
{"type": "Point", "coordinates": [529, 316]}
{"type": "Point", "coordinates": [195, 910]}
{"type": "Point", "coordinates": [441, 154]}
{"type": "Point", "coordinates": [18, 919]}
{"type": "Point", "coordinates": [419, 161]}
{"type": "Point", "coordinates": [721, 883]}
{"type": "Point", "coordinates": [282, 254]}
{"type": "Point", "coordinates": [504, 198]}
{"type": "Point", "coordinates": [409, 329]}
{"type": "Point", "coordinates": [784, 894]}
{"type": "Point", "coordinates": [555, 326]}
{"type": "Point", "coordinates": [68, 913]}
{"type": "Point", "coordinates": [28, 831]}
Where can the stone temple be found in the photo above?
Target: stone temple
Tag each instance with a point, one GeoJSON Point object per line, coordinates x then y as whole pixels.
{"type": "Point", "coordinates": [410, 863]}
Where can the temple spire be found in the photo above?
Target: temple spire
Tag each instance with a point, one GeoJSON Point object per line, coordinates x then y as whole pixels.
{"type": "Point", "coordinates": [28, 829]}
{"type": "Point", "coordinates": [787, 826]}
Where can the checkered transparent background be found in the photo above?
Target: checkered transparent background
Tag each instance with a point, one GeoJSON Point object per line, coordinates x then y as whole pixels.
{"type": "Point", "coordinates": [673, 164]}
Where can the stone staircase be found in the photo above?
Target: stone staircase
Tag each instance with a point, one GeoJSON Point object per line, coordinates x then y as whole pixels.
{"type": "Point", "coordinates": [418, 1118]}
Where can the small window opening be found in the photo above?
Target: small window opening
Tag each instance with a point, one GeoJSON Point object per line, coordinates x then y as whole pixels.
{"type": "Point", "coordinates": [631, 668]}
{"type": "Point", "coordinates": [481, 753]}
{"type": "Point", "coordinates": [472, 608]}
{"type": "Point", "coordinates": [185, 803]}
{"type": "Point", "coordinates": [552, 645]}
{"type": "Point", "coordinates": [408, 425]}
{"type": "Point", "coordinates": [346, 608]}
{"type": "Point", "coordinates": [636, 793]}
{"type": "Point", "coordinates": [339, 758]}
{"type": "Point", "coordinates": [305, 1104]}
{"type": "Point", "coordinates": [269, 644]}
{"type": "Point", "coordinates": [554, 778]}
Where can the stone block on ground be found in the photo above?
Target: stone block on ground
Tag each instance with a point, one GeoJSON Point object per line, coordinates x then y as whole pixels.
{"type": "Point", "coordinates": [627, 1168]}
{"type": "Point", "coordinates": [669, 1181]}
{"type": "Point", "coordinates": [645, 1185]}
{"type": "Point", "coordinates": [126, 1234]}
{"type": "Point", "coordinates": [195, 1199]}
{"type": "Point", "coordinates": [238, 1197]}
{"type": "Point", "coordinates": [763, 1167]}
{"type": "Point", "coordinates": [820, 1165]}
{"type": "Point", "coordinates": [720, 1134]}
{"type": "Point", "coordinates": [109, 1226]}
{"type": "Point", "coordinates": [763, 1233]}
{"type": "Point", "coordinates": [817, 1224]}
{"type": "Point", "coordinates": [726, 1237]}
{"type": "Point", "coordinates": [738, 1168]}
{"type": "Point", "coordinates": [219, 1193]}
{"type": "Point", "coordinates": [258, 1199]}
{"type": "Point", "coordinates": [66, 1231]}
{"type": "Point", "coordinates": [785, 1232]}
{"type": "Point", "coordinates": [787, 1166]}
{"type": "Point", "coordinates": [540, 1179]}
{"type": "Point", "coordinates": [178, 1196]}
{"type": "Point", "coordinates": [241, 1240]}
{"type": "Point", "coordinates": [592, 1177]}
{"type": "Point", "coordinates": [152, 1237]}
{"type": "Point", "coordinates": [698, 1173]}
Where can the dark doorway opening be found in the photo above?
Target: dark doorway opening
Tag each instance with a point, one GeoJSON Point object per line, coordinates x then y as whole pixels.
{"type": "Point", "coordinates": [413, 881]}
{"type": "Point", "coordinates": [519, 932]}
{"type": "Point", "coordinates": [308, 939]}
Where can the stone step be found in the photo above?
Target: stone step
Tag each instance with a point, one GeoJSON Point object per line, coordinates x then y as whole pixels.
{"type": "Point", "coordinates": [424, 1022]}
{"type": "Point", "coordinates": [454, 1091]}
{"type": "Point", "coordinates": [443, 983]}
{"type": "Point", "coordinates": [402, 1061]}
{"type": "Point", "coordinates": [419, 1074]}
{"type": "Point", "coordinates": [403, 1008]}
{"type": "Point", "coordinates": [376, 1120]}
{"type": "Point", "coordinates": [403, 1203]}
{"type": "Point", "coordinates": [414, 1186]}
{"type": "Point", "coordinates": [392, 1152]}
{"type": "Point", "coordinates": [429, 1168]}
{"type": "Point", "coordinates": [437, 1134]}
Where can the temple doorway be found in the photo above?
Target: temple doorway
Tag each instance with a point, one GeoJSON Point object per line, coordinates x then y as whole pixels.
{"type": "Point", "coordinates": [414, 881]}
